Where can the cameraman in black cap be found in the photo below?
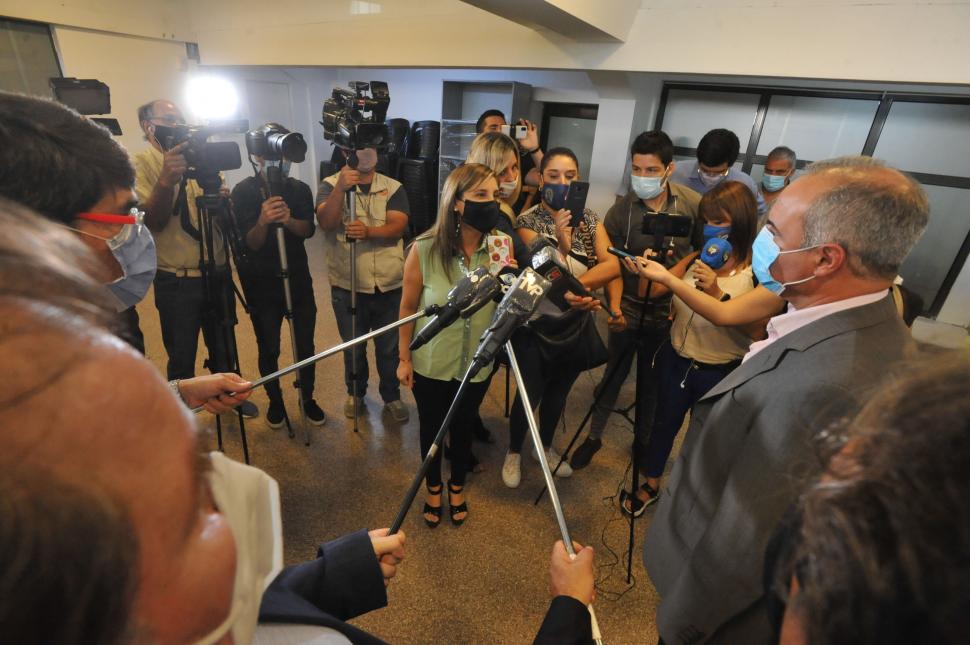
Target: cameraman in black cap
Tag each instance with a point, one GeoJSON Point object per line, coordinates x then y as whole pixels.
{"type": "Point", "coordinates": [256, 212]}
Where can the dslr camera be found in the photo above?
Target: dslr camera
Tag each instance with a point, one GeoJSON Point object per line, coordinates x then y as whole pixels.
{"type": "Point", "coordinates": [354, 120]}
{"type": "Point", "coordinates": [203, 158]}
{"type": "Point", "coordinates": [273, 142]}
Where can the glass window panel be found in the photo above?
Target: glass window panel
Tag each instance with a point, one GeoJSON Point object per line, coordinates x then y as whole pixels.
{"type": "Point", "coordinates": [575, 134]}
{"type": "Point", "coordinates": [929, 262]}
{"type": "Point", "coordinates": [817, 128]}
{"type": "Point", "coordinates": [927, 137]}
{"type": "Point", "coordinates": [690, 114]}
{"type": "Point", "coordinates": [27, 58]}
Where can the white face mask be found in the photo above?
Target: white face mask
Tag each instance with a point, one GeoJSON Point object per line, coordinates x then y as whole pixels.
{"type": "Point", "coordinates": [250, 501]}
{"type": "Point", "coordinates": [506, 188]}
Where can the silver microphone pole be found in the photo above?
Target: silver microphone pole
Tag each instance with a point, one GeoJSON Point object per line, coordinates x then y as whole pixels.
{"type": "Point", "coordinates": [306, 362]}
{"type": "Point", "coordinates": [547, 474]}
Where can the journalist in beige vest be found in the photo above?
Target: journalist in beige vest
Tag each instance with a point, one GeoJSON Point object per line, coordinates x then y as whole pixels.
{"type": "Point", "coordinates": [381, 219]}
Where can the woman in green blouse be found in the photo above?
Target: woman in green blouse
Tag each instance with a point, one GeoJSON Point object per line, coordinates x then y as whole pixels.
{"type": "Point", "coordinates": [439, 258]}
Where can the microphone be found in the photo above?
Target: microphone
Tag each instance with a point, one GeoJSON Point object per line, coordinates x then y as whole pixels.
{"type": "Point", "coordinates": [475, 289]}
{"type": "Point", "coordinates": [546, 262]}
{"type": "Point", "coordinates": [513, 311]}
{"type": "Point", "coordinates": [716, 253]}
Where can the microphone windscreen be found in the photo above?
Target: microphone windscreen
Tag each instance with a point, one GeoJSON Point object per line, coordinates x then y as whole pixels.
{"type": "Point", "coordinates": [716, 253]}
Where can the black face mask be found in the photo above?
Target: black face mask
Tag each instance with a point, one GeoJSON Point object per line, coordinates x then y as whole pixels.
{"type": "Point", "coordinates": [481, 216]}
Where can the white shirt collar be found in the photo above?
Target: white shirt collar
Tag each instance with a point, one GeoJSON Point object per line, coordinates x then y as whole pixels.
{"type": "Point", "coordinates": [794, 319]}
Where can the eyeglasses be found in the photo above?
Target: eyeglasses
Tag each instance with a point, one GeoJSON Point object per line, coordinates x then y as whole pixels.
{"type": "Point", "coordinates": [134, 216]}
{"type": "Point", "coordinates": [713, 175]}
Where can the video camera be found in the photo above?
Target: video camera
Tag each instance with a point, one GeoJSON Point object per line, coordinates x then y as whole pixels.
{"type": "Point", "coordinates": [346, 121]}
{"type": "Point", "coordinates": [273, 142]}
{"type": "Point", "coordinates": [204, 159]}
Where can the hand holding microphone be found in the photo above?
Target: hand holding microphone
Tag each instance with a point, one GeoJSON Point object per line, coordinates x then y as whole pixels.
{"type": "Point", "coordinates": [716, 253]}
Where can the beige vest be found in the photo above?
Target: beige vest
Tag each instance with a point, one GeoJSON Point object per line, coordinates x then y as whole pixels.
{"type": "Point", "coordinates": [380, 263]}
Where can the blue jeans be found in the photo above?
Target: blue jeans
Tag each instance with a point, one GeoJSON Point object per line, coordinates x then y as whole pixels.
{"type": "Point", "coordinates": [682, 383]}
{"type": "Point", "coordinates": [374, 310]}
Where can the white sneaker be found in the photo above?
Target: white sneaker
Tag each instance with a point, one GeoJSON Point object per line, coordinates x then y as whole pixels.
{"type": "Point", "coordinates": [512, 469]}
{"type": "Point", "coordinates": [553, 457]}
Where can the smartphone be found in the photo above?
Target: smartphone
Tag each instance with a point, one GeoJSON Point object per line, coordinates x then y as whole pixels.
{"type": "Point", "coordinates": [515, 131]}
{"type": "Point", "coordinates": [621, 254]}
{"type": "Point", "coordinates": [576, 201]}
{"type": "Point", "coordinates": [499, 251]}
{"type": "Point", "coordinates": [667, 224]}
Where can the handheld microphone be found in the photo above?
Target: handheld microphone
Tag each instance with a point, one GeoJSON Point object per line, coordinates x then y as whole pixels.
{"type": "Point", "coordinates": [477, 287]}
{"type": "Point", "coordinates": [513, 311]}
{"type": "Point", "coordinates": [716, 253]}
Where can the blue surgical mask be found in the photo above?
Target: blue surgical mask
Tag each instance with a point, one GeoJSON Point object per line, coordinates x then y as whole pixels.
{"type": "Point", "coordinates": [711, 231]}
{"type": "Point", "coordinates": [554, 195]}
{"type": "Point", "coordinates": [764, 252]}
{"type": "Point", "coordinates": [773, 183]}
{"type": "Point", "coordinates": [133, 247]}
{"type": "Point", "coordinates": [647, 187]}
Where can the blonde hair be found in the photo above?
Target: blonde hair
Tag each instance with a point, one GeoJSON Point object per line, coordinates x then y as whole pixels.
{"type": "Point", "coordinates": [444, 233]}
{"type": "Point", "coordinates": [490, 149]}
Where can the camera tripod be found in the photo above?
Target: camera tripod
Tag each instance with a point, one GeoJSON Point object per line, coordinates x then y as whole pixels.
{"type": "Point", "coordinates": [220, 303]}
{"type": "Point", "coordinates": [274, 188]}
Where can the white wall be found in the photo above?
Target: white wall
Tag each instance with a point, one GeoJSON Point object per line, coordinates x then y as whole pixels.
{"type": "Point", "coordinates": [890, 40]}
{"type": "Point", "coordinates": [136, 70]}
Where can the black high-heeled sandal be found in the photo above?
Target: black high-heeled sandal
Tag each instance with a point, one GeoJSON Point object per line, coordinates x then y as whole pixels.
{"type": "Point", "coordinates": [455, 510]}
{"type": "Point", "coordinates": [433, 510]}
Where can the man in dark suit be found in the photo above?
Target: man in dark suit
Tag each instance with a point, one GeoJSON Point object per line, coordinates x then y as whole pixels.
{"type": "Point", "coordinates": [832, 245]}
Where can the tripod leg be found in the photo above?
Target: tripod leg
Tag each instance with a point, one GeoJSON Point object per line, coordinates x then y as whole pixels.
{"type": "Point", "coordinates": [289, 426]}
{"type": "Point", "coordinates": [219, 433]}
{"type": "Point", "coordinates": [288, 314]}
{"type": "Point", "coordinates": [242, 435]}
{"type": "Point", "coordinates": [508, 379]}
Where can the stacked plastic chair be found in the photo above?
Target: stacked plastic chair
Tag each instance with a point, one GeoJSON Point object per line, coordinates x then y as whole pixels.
{"type": "Point", "coordinates": [419, 174]}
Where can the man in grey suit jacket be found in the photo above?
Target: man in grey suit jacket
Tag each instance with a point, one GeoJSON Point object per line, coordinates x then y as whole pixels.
{"type": "Point", "coordinates": [831, 247]}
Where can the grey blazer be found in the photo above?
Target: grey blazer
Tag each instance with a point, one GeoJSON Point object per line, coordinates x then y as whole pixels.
{"type": "Point", "coordinates": [748, 454]}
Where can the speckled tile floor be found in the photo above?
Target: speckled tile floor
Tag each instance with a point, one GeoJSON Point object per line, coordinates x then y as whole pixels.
{"type": "Point", "coordinates": [485, 582]}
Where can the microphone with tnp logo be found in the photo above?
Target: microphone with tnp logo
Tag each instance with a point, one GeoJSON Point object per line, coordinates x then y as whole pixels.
{"type": "Point", "coordinates": [716, 253]}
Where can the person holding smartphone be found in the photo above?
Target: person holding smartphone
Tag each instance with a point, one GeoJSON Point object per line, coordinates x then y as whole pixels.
{"type": "Point", "coordinates": [552, 351]}
{"type": "Point", "coordinates": [638, 326]}
{"type": "Point", "coordinates": [699, 353]}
